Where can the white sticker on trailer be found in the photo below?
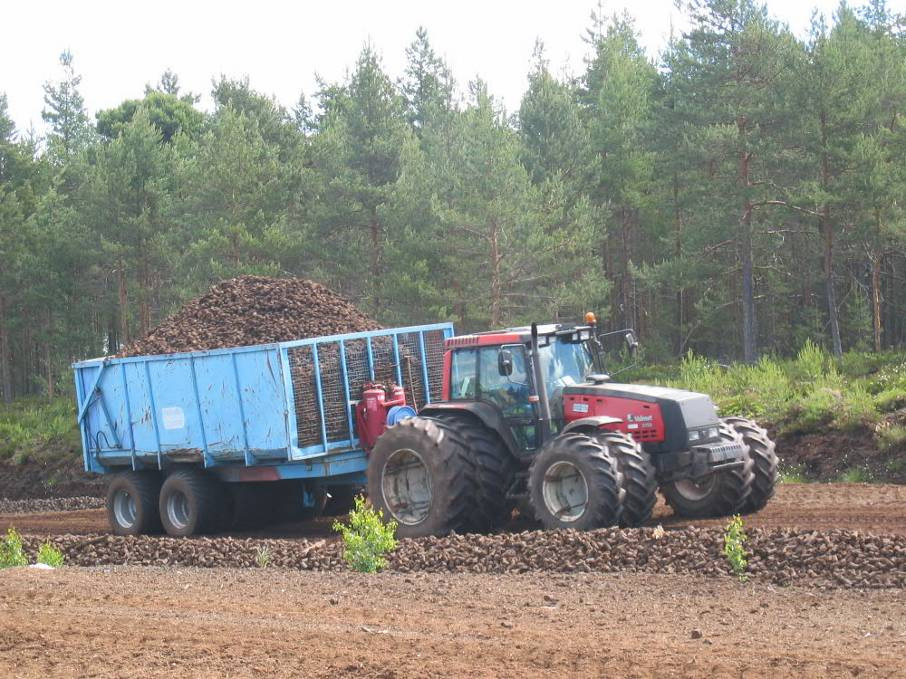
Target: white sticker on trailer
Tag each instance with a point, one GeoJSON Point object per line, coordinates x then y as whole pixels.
{"type": "Point", "coordinates": [173, 417]}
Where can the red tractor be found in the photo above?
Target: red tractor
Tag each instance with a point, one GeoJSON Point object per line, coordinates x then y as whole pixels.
{"type": "Point", "coordinates": [529, 419]}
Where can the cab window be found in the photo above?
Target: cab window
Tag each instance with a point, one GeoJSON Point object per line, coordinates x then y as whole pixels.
{"type": "Point", "coordinates": [464, 374]}
{"type": "Point", "coordinates": [510, 392]}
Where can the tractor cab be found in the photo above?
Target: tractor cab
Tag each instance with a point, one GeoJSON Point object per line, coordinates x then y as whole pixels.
{"type": "Point", "coordinates": [524, 373]}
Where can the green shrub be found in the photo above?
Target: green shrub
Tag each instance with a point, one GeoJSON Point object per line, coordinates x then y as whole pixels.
{"type": "Point", "coordinates": [890, 436]}
{"type": "Point", "coordinates": [812, 363]}
{"type": "Point", "coordinates": [262, 557]}
{"type": "Point", "coordinates": [11, 552]}
{"type": "Point", "coordinates": [891, 399]}
{"type": "Point", "coordinates": [855, 475]}
{"type": "Point", "coordinates": [50, 555]}
{"type": "Point", "coordinates": [366, 538]}
{"type": "Point", "coordinates": [813, 411]}
{"type": "Point", "coordinates": [29, 425]}
{"type": "Point", "coordinates": [857, 409]}
{"type": "Point", "coordinates": [734, 547]}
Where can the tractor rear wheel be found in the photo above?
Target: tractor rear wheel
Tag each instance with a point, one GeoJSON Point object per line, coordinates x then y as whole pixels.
{"type": "Point", "coordinates": [421, 474]}
{"type": "Point", "coordinates": [132, 503]}
{"type": "Point", "coordinates": [494, 469]}
{"type": "Point", "coordinates": [764, 459]}
{"type": "Point", "coordinates": [719, 494]}
{"type": "Point", "coordinates": [639, 477]}
{"type": "Point", "coordinates": [574, 482]}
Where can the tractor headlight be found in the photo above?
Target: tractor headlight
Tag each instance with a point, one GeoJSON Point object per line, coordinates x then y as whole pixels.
{"type": "Point", "coordinates": [704, 434]}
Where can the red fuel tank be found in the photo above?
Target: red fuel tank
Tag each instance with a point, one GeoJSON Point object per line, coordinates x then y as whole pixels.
{"type": "Point", "coordinates": [371, 411]}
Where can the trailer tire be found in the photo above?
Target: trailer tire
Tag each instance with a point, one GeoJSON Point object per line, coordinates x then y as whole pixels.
{"type": "Point", "coordinates": [639, 477]}
{"type": "Point", "coordinates": [494, 469]}
{"type": "Point", "coordinates": [720, 494]}
{"type": "Point", "coordinates": [764, 460]}
{"type": "Point", "coordinates": [132, 503]}
{"type": "Point", "coordinates": [574, 482]}
{"type": "Point", "coordinates": [421, 475]}
{"type": "Point", "coordinates": [191, 502]}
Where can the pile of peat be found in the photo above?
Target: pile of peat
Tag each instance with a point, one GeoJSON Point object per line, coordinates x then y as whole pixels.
{"type": "Point", "coordinates": [253, 310]}
{"type": "Point", "coordinates": [825, 559]}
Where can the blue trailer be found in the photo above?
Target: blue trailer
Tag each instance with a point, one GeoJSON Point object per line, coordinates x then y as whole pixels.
{"type": "Point", "coordinates": [189, 436]}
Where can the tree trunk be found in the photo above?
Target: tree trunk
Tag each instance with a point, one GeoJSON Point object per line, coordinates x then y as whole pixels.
{"type": "Point", "coordinates": [744, 245]}
{"type": "Point", "coordinates": [6, 378]}
{"type": "Point", "coordinates": [827, 231]}
{"type": "Point", "coordinates": [876, 298]}
{"type": "Point", "coordinates": [678, 252]}
{"type": "Point", "coordinates": [496, 291]}
{"type": "Point", "coordinates": [144, 306]}
{"type": "Point", "coordinates": [376, 257]}
{"type": "Point", "coordinates": [749, 328]}
{"type": "Point", "coordinates": [124, 306]}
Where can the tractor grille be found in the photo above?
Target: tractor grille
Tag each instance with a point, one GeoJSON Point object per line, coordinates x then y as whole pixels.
{"type": "Point", "coordinates": [335, 411]}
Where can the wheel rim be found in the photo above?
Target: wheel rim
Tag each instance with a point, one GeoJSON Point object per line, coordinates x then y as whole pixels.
{"type": "Point", "coordinates": [124, 509]}
{"type": "Point", "coordinates": [565, 491]}
{"type": "Point", "coordinates": [406, 487]}
{"type": "Point", "coordinates": [694, 491]}
{"type": "Point", "coordinates": [178, 510]}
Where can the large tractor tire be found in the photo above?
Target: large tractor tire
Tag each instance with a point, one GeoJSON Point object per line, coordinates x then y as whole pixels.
{"type": "Point", "coordinates": [720, 494]}
{"type": "Point", "coordinates": [639, 477]}
{"type": "Point", "coordinates": [191, 502]}
{"type": "Point", "coordinates": [422, 475]}
{"type": "Point", "coordinates": [574, 482]}
{"type": "Point", "coordinates": [494, 469]}
{"type": "Point", "coordinates": [132, 503]}
{"type": "Point", "coordinates": [764, 460]}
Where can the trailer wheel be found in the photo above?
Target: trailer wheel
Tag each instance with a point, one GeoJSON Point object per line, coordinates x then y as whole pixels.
{"type": "Point", "coordinates": [764, 459]}
{"type": "Point", "coordinates": [639, 477]}
{"type": "Point", "coordinates": [574, 482]}
{"type": "Point", "coordinates": [494, 469]}
{"type": "Point", "coordinates": [719, 494]}
{"type": "Point", "coordinates": [190, 503]}
{"type": "Point", "coordinates": [132, 503]}
{"type": "Point", "coordinates": [421, 475]}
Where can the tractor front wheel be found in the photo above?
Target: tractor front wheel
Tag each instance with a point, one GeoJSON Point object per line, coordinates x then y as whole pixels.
{"type": "Point", "coordinates": [574, 482]}
{"type": "Point", "coordinates": [639, 477]}
{"type": "Point", "coordinates": [764, 460]}
{"type": "Point", "coordinates": [719, 494]}
{"type": "Point", "coordinates": [421, 474]}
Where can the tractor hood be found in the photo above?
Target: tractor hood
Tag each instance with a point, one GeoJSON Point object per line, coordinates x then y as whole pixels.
{"type": "Point", "coordinates": [673, 411]}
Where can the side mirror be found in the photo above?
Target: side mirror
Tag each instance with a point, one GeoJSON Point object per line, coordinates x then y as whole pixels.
{"type": "Point", "coordinates": [505, 362]}
{"type": "Point", "coordinates": [631, 342]}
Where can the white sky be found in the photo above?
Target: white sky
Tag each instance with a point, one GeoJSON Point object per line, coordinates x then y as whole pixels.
{"type": "Point", "coordinates": [119, 46]}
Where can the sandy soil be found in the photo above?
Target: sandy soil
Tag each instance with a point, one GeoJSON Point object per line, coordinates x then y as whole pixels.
{"type": "Point", "coordinates": [139, 622]}
{"type": "Point", "coordinates": [872, 508]}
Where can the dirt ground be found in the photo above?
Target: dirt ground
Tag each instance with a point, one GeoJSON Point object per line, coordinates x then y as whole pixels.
{"type": "Point", "coordinates": [138, 622]}
{"type": "Point", "coordinates": [874, 508]}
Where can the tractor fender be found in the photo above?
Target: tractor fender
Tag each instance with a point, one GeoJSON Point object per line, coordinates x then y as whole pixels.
{"type": "Point", "coordinates": [590, 424]}
{"type": "Point", "coordinates": [489, 414]}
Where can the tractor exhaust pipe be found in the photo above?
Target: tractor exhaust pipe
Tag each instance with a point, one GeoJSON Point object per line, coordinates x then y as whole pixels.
{"type": "Point", "coordinates": [540, 387]}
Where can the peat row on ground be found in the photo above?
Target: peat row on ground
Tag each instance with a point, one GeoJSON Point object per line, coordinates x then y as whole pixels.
{"type": "Point", "coordinates": [53, 504]}
{"type": "Point", "coordinates": [828, 559]}
{"type": "Point", "coordinates": [253, 310]}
